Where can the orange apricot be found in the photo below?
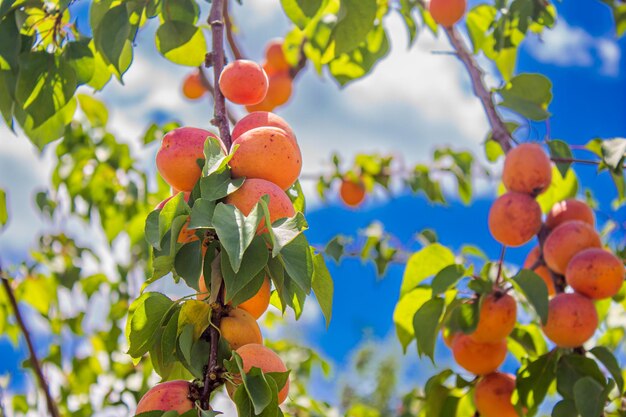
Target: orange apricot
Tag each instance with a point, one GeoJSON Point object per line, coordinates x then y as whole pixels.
{"type": "Point", "coordinates": [527, 169]}
{"type": "Point", "coordinates": [447, 12]}
{"type": "Point", "coordinates": [275, 58]}
{"type": "Point", "coordinates": [595, 273]}
{"type": "Point", "coordinates": [193, 88]}
{"type": "Point", "coordinates": [476, 357]}
{"type": "Point", "coordinates": [261, 119]}
{"type": "Point", "coordinates": [259, 356]}
{"type": "Point", "coordinates": [567, 210]}
{"type": "Point", "coordinates": [280, 89]}
{"type": "Point", "coordinates": [267, 153]}
{"type": "Point", "coordinates": [244, 82]}
{"type": "Point", "coordinates": [541, 270]}
{"type": "Point", "coordinates": [352, 193]}
{"type": "Point", "coordinates": [177, 159]}
{"type": "Point", "coordinates": [167, 396]}
{"type": "Point", "coordinates": [498, 314]}
{"type": "Point", "coordinates": [514, 218]}
{"type": "Point", "coordinates": [239, 328]}
{"type": "Point", "coordinates": [572, 320]}
{"type": "Point", "coordinates": [493, 393]}
{"type": "Point", "coordinates": [567, 240]}
{"type": "Point", "coordinates": [257, 305]}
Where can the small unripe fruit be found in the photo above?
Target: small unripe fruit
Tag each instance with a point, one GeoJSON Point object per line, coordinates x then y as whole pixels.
{"type": "Point", "coordinates": [567, 210]}
{"type": "Point", "coordinates": [527, 169]}
{"type": "Point", "coordinates": [476, 357]}
{"type": "Point", "coordinates": [493, 395]}
{"type": "Point", "coordinates": [498, 315]}
{"type": "Point", "coordinates": [447, 12]}
{"type": "Point", "coordinates": [514, 218]}
{"type": "Point", "coordinates": [572, 320]}
{"type": "Point", "coordinates": [239, 328]}
{"type": "Point", "coordinates": [595, 273]}
{"type": "Point", "coordinates": [542, 270]}
{"type": "Point", "coordinates": [564, 242]}
{"type": "Point", "coordinates": [193, 88]}
{"type": "Point", "coordinates": [261, 119]}
{"type": "Point", "coordinates": [244, 82]}
{"type": "Point", "coordinates": [352, 193]}
{"type": "Point", "coordinates": [167, 396]}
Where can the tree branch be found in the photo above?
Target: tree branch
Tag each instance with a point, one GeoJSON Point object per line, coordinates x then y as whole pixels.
{"type": "Point", "coordinates": [52, 407]}
{"type": "Point", "coordinates": [229, 34]}
{"type": "Point", "coordinates": [218, 58]}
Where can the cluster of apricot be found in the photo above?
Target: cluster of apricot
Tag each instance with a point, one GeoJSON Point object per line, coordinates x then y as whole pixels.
{"type": "Point", "coordinates": [267, 155]}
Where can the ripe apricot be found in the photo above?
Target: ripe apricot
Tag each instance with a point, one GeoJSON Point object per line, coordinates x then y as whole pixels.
{"type": "Point", "coordinates": [193, 88]}
{"type": "Point", "coordinates": [514, 218]}
{"type": "Point", "coordinates": [527, 169]}
{"type": "Point", "coordinates": [275, 58]}
{"type": "Point", "coordinates": [595, 273]}
{"type": "Point", "coordinates": [257, 305]}
{"type": "Point", "coordinates": [267, 153]}
{"type": "Point", "coordinates": [243, 82]}
{"type": "Point", "coordinates": [261, 119]}
{"type": "Point", "coordinates": [493, 395]}
{"type": "Point", "coordinates": [498, 314]}
{"type": "Point", "coordinates": [167, 396]}
{"type": "Point", "coordinates": [476, 357]}
{"type": "Point", "coordinates": [572, 320]}
{"type": "Point", "coordinates": [177, 159]}
{"type": "Point", "coordinates": [279, 90]}
{"type": "Point", "coordinates": [259, 356]}
{"type": "Point", "coordinates": [567, 240]}
{"type": "Point", "coordinates": [239, 328]}
{"type": "Point", "coordinates": [542, 270]}
{"type": "Point", "coordinates": [265, 106]}
{"type": "Point", "coordinates": [352, 193]}
{"type": "Point", "coordinates": [447, 12]}
{"type": "Point", "coordinates": [567, 210]}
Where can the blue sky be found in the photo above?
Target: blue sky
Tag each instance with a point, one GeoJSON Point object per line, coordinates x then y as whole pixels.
{"type": "Point", "coordinates": [415, 100]}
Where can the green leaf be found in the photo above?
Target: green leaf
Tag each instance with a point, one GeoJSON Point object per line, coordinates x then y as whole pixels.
{"type": "Point", "coordinates": [80, 57]}
{"type": "Point", "coordinates": [356, 18]}
{"type": "Point", "coordinates": [180, 10]}
{"type": "Point", "coordinates": [560, 189]}
{"type": "Point", "coordinates": [447, 277]}
{"type": "Point", "coordinates": [336, 247]}
{"type": "Point", "coordinates": [572, 368]}
{"type": "Point", "coordinates": [609, 361]}
{"type": "Point", "coordinates": [258, 389]}
{"type": "Point", "coordinates": [300, 12]}
{"type": "Point", "coordinates": [195, 313]}
{"type": "Point", "coordinates": [298, 262]}
{"type": "Point", "coordinates": [529, 95]}
{"type": "Point", "coordinates": [479, 20]}
{"type": "Point", "coordinates": [405, 311]}
{"type": "Point", "coordinates": [111, 38]}
{"type": "Point", "coordinates": [534, 379]}
{"type": "Point", "coordinates": [253, 261]}
{"type": "Point", "coordinates": [95, 110]}
{"type": "Point", "coordinates": [560, 149]}
{"type": "Point", "coordinates": [52, 129]}
{"type": "Point", "coordinates": [426, 326]}
{"type": "Point", "coordinates": [218, 185]}
{"type": "Point", "coordinates": [10, 45]}
{"type": "Point", "coordinates": [423, 264]}
{"type": "Point", "coordinates": [182, 43]}
{"type": "Point", "coordinates": [323, 286]}
{"type": "Point", "coordinates": [188, 263]}
{"type": "Point", "coordinates": [4, 212]}
{"type": "Point", "coordinates": [235, 230]}
{"type": "Point", "coordinates": [535, 291]}
{"type": "Point", "coordinates": [146, 314]}
{"type": "Point", "coordinates": [202, 214]}
{"type": "Point", "coordinates": [589, 398]}
{"type": "Point", "coordinates": [565, 408]}
{"type": "Point", "coordinates": [284, 231]}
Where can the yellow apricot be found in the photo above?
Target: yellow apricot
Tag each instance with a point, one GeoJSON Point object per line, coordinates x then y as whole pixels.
{"type": "Point", "coordinates": [239, 328]}
{"type": "Point", "coordinates": [572, 320]}
{"type": "Point", "coordinates": [498, 315]}
{"type": "Point", "coordinates": [514, 218]}
{"type": "Point", "coordinates": [167, 396]}
{"type": "Point", "coordinates": [527, 169]}
{"type": "Point", "coordinates": [564, 242]}
{"type": "Point", "coordinates": [595, 273]}
{"type": "Point", "coordinates": [493, 395]}
{"type": "Point", "coordinates": [243, 82]}
{"type": "Point", "coordinates": [476, 357]}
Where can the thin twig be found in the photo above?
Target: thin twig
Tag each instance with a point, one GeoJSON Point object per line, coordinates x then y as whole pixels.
{"type": "Point", "coordinates": [232, 42]}
{"type": "Point", "coordinates": [500, 264]}
{"type": "Point", "coordinates": [43, 383]}
{"type": "Point", "coordinates": [209, 87]}
{"type": "Point", "coordinates": [218, 58]}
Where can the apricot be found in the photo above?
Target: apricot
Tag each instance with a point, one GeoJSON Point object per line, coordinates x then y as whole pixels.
{"type": "Point", "coordinates": [255, 306]}
{"type": "Point", "coordinates": [527, 169]}
{"type": "Point", "coordinates": [280, 89]}
{"type": "Point", "coordinates": [259, 356]}
{"type": "Point", "coordinates": [265, 106]}
{"type": "Point", "coordinates": [177, 159]}
{"type": "Point", "coordinates": [493, 393]}
{"type": "Point", "coordinates": [567, 240]}
{"type": "Point", "coordinates": [572, 320]}
{"type": "Point", "coordinates": [498, 314]}
{"type": "Point", "coordinates": [239, 328]}
{"type": "Point", "coordinates": [244, 82]}
{"type": "Point", "coordinates": [477, 357]}
{"type": "Point", "coordinates": [595, 273]}
{"type": "Point", "coordinates": [567, 210]}
{"type": "Point", "coordinates": [193, 88]}
{"type": "Point", "coordinates": [267, 153]}
{"type": "Point", "coordinates": [352, 193]}
{"type": "Point", "coordinates": [447, 12]}
{"type": "Point", "coordinates": [275, 58]}
{"type": "Point", "coordinates": [514, 218]}
{"type": "Point", "coordinates": [540, 270]}
{"type": "Point", "coordinates": [167, 396]}
{"type": "Point", "coordinates": [261, 119]}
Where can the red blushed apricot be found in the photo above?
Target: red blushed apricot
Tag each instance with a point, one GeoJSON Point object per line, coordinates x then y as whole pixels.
{"type": "Point", "coordinates": [168, 396]}
{"type": "Point", "coordinates": [498, 315]}
{"type": "Point", "coordinates": [261, 119]}
{"type": "Point", "coordinates": [595, 273]}
{"type": "Point", "coordinates": [177, 159]}
{"type": "Point", "coordinates": [493, 395]}
{"type": "Point", "coordinates": [267, 153]}
{"type": "Point", "coordinates": [352, 193]}
{"type": "Point", "coordinates": [527, 169]}
{"type": "Point", "coordinates": [275, 58]}
{"type": "Point", "coordinates": [571, 209]}
{"type": "Point", "coordinates": [447, 12]}
{"type": "Point", "coordinates": [564, 242]}
{"type": "Point", "coordinates": [193, 88]}
{"type": "Point", "coordinates": [476, 357]}
{"type": "Point", "coordinates": [541, 270]}
{"type": "Point", "coordinates": [239, 328]}
{"type": "Point", "coordinates": [244, 82]}
{"type": "Point", "coordinates": [572, 320]}
{"type": "Point", "coordinates": [514, 218]}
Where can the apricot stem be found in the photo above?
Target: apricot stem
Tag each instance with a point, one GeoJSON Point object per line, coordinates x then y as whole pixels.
{"type": "Point", "coordinates": [52, 407]}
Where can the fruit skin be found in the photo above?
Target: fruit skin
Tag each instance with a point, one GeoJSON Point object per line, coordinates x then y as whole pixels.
{"type": "Point", "coordinates": [278, 93]}
{"type": "Point", "coordinates": [239, 328]}
{"type": "Point", "coordinates": [498, 315]}
{"type": "Point", "coordinates": [251, 192]}
{"type": "Point", "coordinates": [514, 218]}
{"type": "Point", "coordinates": [275, 58]}
{"type": "Point", "coordinates": [193, 88]}
{"type": "Point", "coordinates": [493, 395]}
{"type": "Point", "coordinates": [567, 210]}
{"type": "Point", "coordinates": [542, 270]}
{"type": "Point", "coordinates": [572, 320]}
{"type": "Point", "coordinates": [352, 193]}
{"type": "Point", "coordinates": [244, 82]}
{"type": "Point", "coordinates": [478, 358]}
{"type": "Point", "coordinates": [527, 169]}
{"type": "Point", "coordinates": [255, 306]}
{"type": "Point", "coordinates": [447, 12]}
{"type": "Point", "coordinates": [177, 158]}
{"type": "Point", "coordinates": [259, 356]}
{"type": "Point", "coordinates": [564, 242]}
{"type": "Point", "coordinates": [167, 396]}
{"type": "Point", "coordinates": [595, 273]}
{"type": "Point", "coordinates": [267, 153]}
{"type": "Point", "coordinates": [261, 119]}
